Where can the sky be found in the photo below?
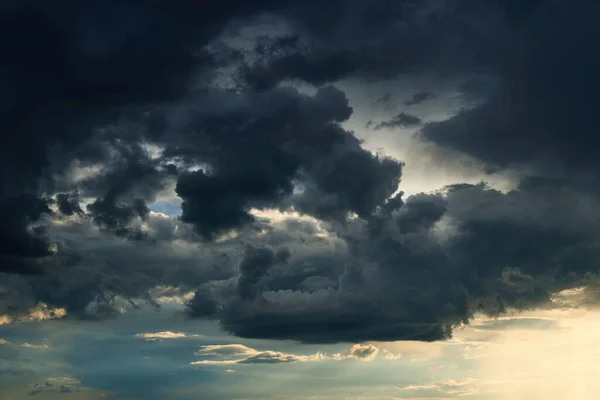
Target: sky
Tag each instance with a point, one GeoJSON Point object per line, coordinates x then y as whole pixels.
{"type": "Point", "coordinates": [299, 199]}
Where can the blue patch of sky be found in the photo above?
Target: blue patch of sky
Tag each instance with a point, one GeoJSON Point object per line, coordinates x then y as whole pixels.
{"type": "Point", "coordinates": [171, 208]}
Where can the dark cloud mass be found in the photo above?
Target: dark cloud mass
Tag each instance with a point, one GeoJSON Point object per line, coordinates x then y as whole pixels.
{"type": "Point", "coordinates": [68, 203]}
{"type": "Point", "coordinates": [111, 107]}
{"type": "Point", "coordinates": [438, 260]}
{"type": "Point", "coordinates": [258, 144]}
{"type": "Point", "coordinates": [254, 266]}
{"type": "Point", "coordinates": [402, 120]}
{"type": "Point", "coordinates": [68, 68]}
{"type": "Point", "coordinates": [542, 112]}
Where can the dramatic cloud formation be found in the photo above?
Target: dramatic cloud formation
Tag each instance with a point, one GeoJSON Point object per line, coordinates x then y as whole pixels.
{"type": "Point", "coordinates": [539, 114]}
{"type": "Point", "coordinates": [288, 227]}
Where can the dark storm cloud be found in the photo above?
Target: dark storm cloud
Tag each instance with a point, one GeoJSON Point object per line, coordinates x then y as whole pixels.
{"type": "Point", "coordinates": [401, 120]}
{"type": "Point", "coordinates": [419, 98]}
{"type": "Point", "coordinates": [20, 242]}
{"type": "Point", "coordinates": [94, 274]}
{"type": "Point", "coordinates": [541, 111]}
{"type": "Point", "coordinates": [111, 104]}
{"type": "Point", "coordinates": [534, 112]}
{"type": "Point", "coordinates": [379, 40]}
{"type": "Point", "coordinates": [432, 265]}
{"type": "Point", "coordinates": [254, 266]}
{"type": "Point", "coordinates": [349, 180]}
{"type": "Point", "coordinates": [69, 68]}
{"type": "Point", "coordinates": [421, 212]}
{"type": "Point", "coordinates": [296, 140]}
{"type": "Point", "coordinates": [316, 70]}
{"type": "Point", "coordinates": [68, 71]}
{"type": "Point", "coordinates": [202, 304]}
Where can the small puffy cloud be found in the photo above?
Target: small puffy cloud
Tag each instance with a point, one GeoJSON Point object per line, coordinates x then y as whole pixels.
{"type": "Point", "coordinates": [388, 355]}
{"type": "Point", "coordinates": [86, 137]}
{"type": "Point", "coordinates": [366, 352]}
{"type": "Point", "coordinates": [40, 312]}
{"type": "Point", "coordinates": [170, 294]}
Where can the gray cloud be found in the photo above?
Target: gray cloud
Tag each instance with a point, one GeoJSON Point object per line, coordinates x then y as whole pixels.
{"type": "Point", "coordinates": [254, 266]}
{"type": "Point", "coordinates": [296, 139]}
{"type": "Point", "coordinates": [68, 203]}
{"type": "Point", "coordinates": [402, 120]}
{"type": "Point", "coordinates": [436, 262]}
{"type": "Point", "coordinates": [542, 121]}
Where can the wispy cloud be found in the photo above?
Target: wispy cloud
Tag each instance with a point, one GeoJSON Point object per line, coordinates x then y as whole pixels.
{"type": "Point", "coordinates": [451, 387]}
{"type": "Point", "coordinates": [249, 355]}
{"type": "Point", "coordinates": [35, 346]}
{"type": "Point", "coordinates": [151, 337]}
{"type": "Point", "coordinates": [226, 350]}
{"type": "Point", "coordinates": [421, 387]}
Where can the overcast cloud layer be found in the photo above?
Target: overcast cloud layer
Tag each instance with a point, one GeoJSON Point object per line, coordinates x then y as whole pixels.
{"type": "Point", "coordinates": [289, 228]}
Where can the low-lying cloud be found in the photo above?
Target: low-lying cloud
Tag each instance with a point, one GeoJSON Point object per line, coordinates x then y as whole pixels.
{"type": "Point", "coordinates": [150, 337]}
{"type": "Point", "coordinates": [233, 352]}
